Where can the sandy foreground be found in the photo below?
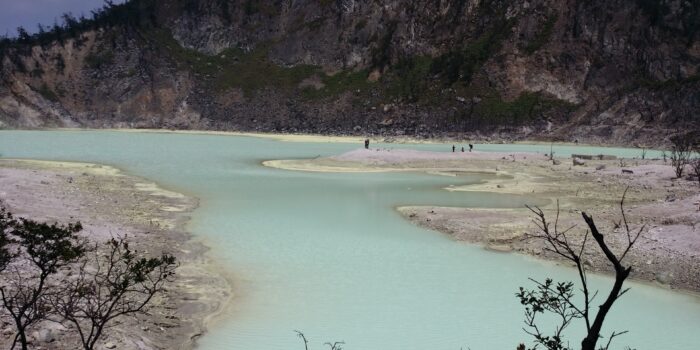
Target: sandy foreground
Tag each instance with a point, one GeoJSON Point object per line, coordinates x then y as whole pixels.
{"type": "Point", "coordinates": [667, 253]}
{"type": "Point", "coordinates": [108, 202]}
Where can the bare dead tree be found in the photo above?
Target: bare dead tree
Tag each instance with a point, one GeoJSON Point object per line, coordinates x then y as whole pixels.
{"type": "Point", "coordinates": [681, 152]}
{"type": "Point", "coordinates": [338, 345]}
{"type": "Point", "coordinates": [695, 166]}
{"type": "Point", "coordinates": [303, 338]}
{"type": "Point", "coordinates": [557, 298]}
{"type": "Point", "coordinates": [335, 345]}
{"type": "Point", "coordinates": [116, 284]}
{"type": "Point", "coordinates": [41, 250]}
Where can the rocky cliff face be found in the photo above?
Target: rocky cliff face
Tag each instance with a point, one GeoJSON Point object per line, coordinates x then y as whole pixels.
{"type": "Point", "coordinates": [616, 71]}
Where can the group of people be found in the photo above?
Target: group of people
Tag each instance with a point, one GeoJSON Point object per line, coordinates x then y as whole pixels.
{"type": "Point", "coordinates": [471, 147]}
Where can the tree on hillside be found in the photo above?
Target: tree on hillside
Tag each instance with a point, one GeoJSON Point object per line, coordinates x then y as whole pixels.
{"type": "Point", "coordinates": [556, 298]}
{"type": "Point", "coordinates": [23, 36]}
{"type": "Point", "coordinates": [71, 24]}
{"type": "Point", "coordinates": [117, 283]}
{"type": "Point", "coordinates": [130, 14]}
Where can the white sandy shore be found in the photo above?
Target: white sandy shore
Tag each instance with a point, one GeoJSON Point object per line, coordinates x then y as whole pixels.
{"type": "Point", "coordinates": [108, 202]}
{"type": "Point", "coordinates": [317, 138]}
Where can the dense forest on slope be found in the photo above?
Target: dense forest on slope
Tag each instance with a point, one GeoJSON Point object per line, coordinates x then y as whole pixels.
{"type": "Point", "coordinates": [617, 72]}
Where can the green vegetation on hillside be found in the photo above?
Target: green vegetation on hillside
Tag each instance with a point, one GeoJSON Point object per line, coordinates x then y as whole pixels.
{"type": "Point", "coordinates": [341, 82]}
{"type": "Point", "coordinates": [233, 68]}
{"type": "Point", "coordinates": [252, 7]}
{"type": "Point", "coordinates": [654, 9]}
{"type": "Point", "coordinates": [685, 23]}
{"type": "Point", "coordinates": [461, 65]}
{"type": "Point", "coordinates": [542, 36]}
{"type": "Point", "coordinates": [653, 84]}
{"type": "Point", "coordinates": [47, 93]}
{"type": "Point", "coordinates": [409, 78]}
{"type": "Point", "coordinates": [527, 106]}
{"type": "Point", "coordinates": [253, 70]}
{"type": "Point", "coordinates": [381, 53]}
{"type": "Point", "coordinates": [99, 59]}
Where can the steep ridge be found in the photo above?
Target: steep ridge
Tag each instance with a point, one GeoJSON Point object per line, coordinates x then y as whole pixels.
{"type": "Point", "coordinates": [614, 72]}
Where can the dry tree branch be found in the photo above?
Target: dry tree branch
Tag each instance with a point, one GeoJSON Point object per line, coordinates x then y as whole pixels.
{"type": "Point", "coordinates": [557, 298]}
{"type": "Point", "coordinates": [303, 338]}
{"type": "Point", "coordinates": [122, 283]}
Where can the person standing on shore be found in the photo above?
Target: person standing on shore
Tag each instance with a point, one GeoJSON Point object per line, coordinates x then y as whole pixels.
{"type": "Point", "coordinates": [453, 148]}
{"type": "Point", "coordinates": [366, 143]}
{"type": "Point", "coordinates": [462, 149]}
{"type": "Point", "coordinates": [471, 147]}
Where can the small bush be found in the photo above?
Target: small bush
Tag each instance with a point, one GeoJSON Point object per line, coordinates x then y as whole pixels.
{"type": "Point", "coordinates": [100, 59]}
{"type": "Point", "coordinates": [542, 36]}
{"type": "Point", "coordinates": [461, 65]}
{"type": "Point", "coordinates": [339, 83]}
{"type": "Point", "coordinates": [47, 93]}
{"type": "Point", "coordinates": [381, 54]}
{"type": "Point", "coordinates": [681, 152]}
{"type": "Point", "coordinates": [527, 106]}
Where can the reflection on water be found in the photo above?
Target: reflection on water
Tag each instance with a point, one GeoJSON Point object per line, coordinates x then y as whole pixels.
{"type": "Point", "coordinates": [327, 254]}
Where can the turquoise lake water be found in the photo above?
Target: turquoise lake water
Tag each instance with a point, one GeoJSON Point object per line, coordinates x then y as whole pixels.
{"type": "Point", "coordinates": [327, 254]}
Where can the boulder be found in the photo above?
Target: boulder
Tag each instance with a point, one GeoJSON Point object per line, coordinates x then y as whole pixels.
{"type": "Point", "coordinates": [582, 156]}
{"type": "Point", "coordinates": [579, 161]}
{"type": "Point", "coordinates": [501, 248]}
{"type": "Point", "coordinates": [664, 277]}
{"type": "Point", "coordinates": [44, 335]}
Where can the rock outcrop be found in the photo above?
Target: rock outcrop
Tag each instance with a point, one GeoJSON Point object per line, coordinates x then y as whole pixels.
{"type": "Point", "coordinates": [615, 72]}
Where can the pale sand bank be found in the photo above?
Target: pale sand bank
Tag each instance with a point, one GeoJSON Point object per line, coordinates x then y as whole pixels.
{"type": "Point", "coordinates": [668, 252]}
{"type": "Point", "coordinates": [273, 136]}
{"type": "Point", "coordinates": [109, 202]}
{"type": "Point", "coordinates": [317, 138]}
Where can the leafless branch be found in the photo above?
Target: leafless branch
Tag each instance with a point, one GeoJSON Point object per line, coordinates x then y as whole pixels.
{"type": "Point", "coordinates": [558, 298]}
